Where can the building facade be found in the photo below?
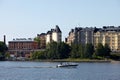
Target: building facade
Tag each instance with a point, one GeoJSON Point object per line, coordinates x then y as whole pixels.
{"type": "Point", "coordinates": [108, 35]}
{"type": "Point", "coordinates": [80, 36]}
{"type": "Point", "coordinates": [54, 35]}
{"type": "Point", "coordinates": [42, 38]}
{"type": "Point", "coordinates": [71, 38]}
{"type": "Point", "coordinates": [22, 47]}
{"type": "Point", "coordinates": [49, 37]}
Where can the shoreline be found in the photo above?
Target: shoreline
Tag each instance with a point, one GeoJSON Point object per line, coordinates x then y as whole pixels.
{"type": "Point", "coordinates": [79, 61]}
{"type": "Point", "coordinates": [70, 60]}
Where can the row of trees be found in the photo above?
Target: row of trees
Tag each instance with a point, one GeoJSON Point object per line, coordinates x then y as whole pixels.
{"type": "Point", "coordinates": [62, 50]}
{"type": "Point", "coordinates": [88, 51]}
{"type": "Point", "coordinates": [53, 51]}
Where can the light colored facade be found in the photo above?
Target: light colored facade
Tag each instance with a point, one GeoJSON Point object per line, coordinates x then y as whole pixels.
{"type": "Point", "coordinates": [71, 37]}
{"type": "Point", "coordinates": [54, 35]}
{"type": "Point", "coordinates": [108, 35]}
{"type": "Point", "coordinates": [48, 38]}
{"type": "Point", "coordinates": [80, 36]}
{"type": "Point", "coordinates": [112, 38]}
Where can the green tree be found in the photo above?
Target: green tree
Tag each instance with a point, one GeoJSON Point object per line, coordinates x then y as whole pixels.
{"type": "Point", "coordinates": [57, 50]}
{"type": "Point", "coordinates": [3, 49]}
{"type": "Point", "coordinates": [63, 50]}
{"type": "Point", "coordinates": [81, 50]}
{"type": "Point", "coordinates": [100, 50]}
{"type": "Point", "coordinates": [77, 51]}
{"type": "Point", "coordinates": [107, 50]}
{"type": "Point", "coordinates": [2, 57]}
{"type": "Point", "coordinates": [103, 51]}
{"type": "Point", "coordinates": [7, 55]}
{"type": "Point", "coordinates": [52, 50]}
{"type": "Point", "coordinates": [38, 55]}
{"type": "Point", "coordinates": [74, 51]}
{"type": "Point", "coordinates": [89, 50]}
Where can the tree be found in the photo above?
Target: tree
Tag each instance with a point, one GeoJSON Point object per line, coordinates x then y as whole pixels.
{"type": "Point", "coordinates": [59, 50]}
{"type": "Point", "coordinates": [3, 49]}
{"type": "Point", "coordinates": [38, 55]}
{"type": "Point", "coordinates": [107, 50]}
{"type": "Point", "coordinates": [63, 50]}
{"type": "Point", "coordinates": [77, 51]}
{"type": "Point", "coordinates": [81, 51]}
{"type": "Point", "coordinates": [7, 55]}
{"type": "Point", "coordinates": [2, 57]}
{"type": "Point", "coordinates": [89, 50]}
{"type": "Point", "coordinates": [74, 51]}
{"type": "Point", "coordinates": [52, 50]}
{"type": "Point", "coordinates": [100, 50]}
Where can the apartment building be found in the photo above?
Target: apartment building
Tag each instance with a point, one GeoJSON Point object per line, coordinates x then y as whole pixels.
{"type": "Point", "coordinates": [54, 35]}
{"type": "Point", "coordinates": [108, 35]}
{"type": "Point", "coordinates": [80, 35]}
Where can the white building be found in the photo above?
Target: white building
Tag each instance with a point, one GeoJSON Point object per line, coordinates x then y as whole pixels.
{"type": "Point", "coordinates": [48, 37]}
{"type": "Point", "coordinates": [54, 35]}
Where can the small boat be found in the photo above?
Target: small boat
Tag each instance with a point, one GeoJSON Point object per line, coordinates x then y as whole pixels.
{"type": "Point", "coordinates": [67, 65]}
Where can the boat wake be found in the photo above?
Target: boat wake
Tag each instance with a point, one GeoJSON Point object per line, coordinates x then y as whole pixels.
{"type": "Point", "coordinates": [36, 67]}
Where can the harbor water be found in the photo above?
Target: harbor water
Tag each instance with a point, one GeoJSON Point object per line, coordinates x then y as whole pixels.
{"type": "Point", "coordinates": [16, 70]}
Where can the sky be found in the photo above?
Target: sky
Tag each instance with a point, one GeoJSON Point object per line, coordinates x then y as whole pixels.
{"type": "Point", "coordinates": [27, 18]}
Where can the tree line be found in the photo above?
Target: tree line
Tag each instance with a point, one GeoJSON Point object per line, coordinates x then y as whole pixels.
{"type": "Point", "coordinates": [62, 50]}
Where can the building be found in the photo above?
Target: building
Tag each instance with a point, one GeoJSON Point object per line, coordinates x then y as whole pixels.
{"type": "Point", "coordinates": [108, 35]}
{"type": "Point", "coordinates": [71, 38]}
{"type": "Point", "coordinates": [54, 35]}
{"type": "Point", "coordinates": [42, 38]}
{"type": "Point", "coordinates": [49, 37]}
{"type": "Point", "coordinates": [80, 36]}
{"type": "Point", "coordinates": [22, 47]}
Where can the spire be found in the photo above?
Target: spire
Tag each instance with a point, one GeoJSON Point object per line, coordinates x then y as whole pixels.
{"type": "Point", "coordinates": [57, 29]}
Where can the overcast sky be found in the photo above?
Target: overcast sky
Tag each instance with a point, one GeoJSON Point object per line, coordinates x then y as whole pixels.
{"type": "Point", "coordinates": [27, 18]}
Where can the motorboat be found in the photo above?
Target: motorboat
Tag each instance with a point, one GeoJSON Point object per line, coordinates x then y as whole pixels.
{"type": "Point", "coordinates": [67, 65]}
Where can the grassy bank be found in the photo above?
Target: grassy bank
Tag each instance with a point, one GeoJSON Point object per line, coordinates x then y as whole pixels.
{"type": "Point", "coordinates": [74, 60]}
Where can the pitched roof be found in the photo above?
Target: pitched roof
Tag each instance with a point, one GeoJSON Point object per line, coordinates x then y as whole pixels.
{"type": "Point", "coordinates": [49, 32]}
{"type": "Point", "coordinates": [57, 29]}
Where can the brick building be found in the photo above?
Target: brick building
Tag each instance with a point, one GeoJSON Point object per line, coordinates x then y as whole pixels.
{"type": "Point", "coordinates": [22, 47]}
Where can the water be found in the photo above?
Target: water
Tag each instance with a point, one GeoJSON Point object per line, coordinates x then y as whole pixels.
{"type": "Point", "coordinates": [48, 71]}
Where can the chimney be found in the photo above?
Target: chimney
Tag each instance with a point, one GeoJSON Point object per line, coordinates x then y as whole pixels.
{"type": "Point", "coordinates": [4, 39]}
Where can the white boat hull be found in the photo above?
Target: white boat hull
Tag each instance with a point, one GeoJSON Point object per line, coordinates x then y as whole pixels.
{"type": "Point", "coordinates": [67, 65]}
